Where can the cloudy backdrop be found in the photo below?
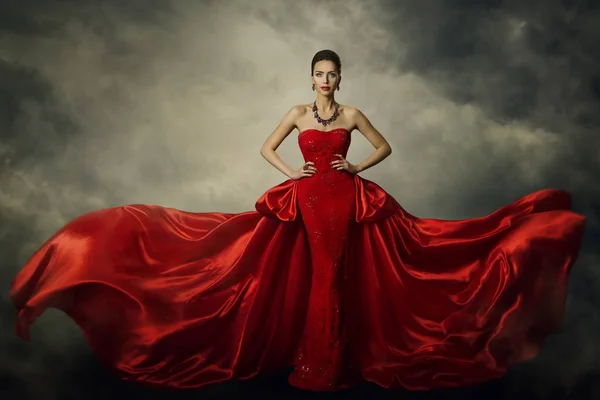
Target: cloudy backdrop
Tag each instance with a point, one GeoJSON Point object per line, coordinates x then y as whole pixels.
{"type": "Point", "coordinates": [168, 102]}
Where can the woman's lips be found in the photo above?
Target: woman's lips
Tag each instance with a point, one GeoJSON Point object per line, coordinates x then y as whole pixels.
{"type": "Point", "coordinates": [325, 87]}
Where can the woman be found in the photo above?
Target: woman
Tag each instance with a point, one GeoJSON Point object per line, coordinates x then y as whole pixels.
{"type": "Point", "coordinates": [330, 275]}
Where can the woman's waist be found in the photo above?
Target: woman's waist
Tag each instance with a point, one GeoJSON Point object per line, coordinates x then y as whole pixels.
{"type": "Point", "coordinates": [328, 178]}
{"type": "Point", "coordinates": [322, 159]}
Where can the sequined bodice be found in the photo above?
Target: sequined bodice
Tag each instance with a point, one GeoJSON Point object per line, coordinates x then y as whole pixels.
{"type": "Point", "coordinates": [320, 147]}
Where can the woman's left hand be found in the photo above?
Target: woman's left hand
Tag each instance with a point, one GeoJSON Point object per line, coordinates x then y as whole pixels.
{"type": "Point", "coordinates": [343, 165]}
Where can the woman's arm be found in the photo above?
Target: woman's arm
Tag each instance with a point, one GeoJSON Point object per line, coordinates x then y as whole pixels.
{"type": "Point", "coordinates": [382, 147]}
{"type": "Point", "coordinates": [285, 127]}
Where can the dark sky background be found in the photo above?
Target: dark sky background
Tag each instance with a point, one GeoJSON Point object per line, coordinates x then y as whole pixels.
{"type": "Point", "coordinates": [168, 102]}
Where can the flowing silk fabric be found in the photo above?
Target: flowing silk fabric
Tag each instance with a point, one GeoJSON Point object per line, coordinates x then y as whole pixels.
{"type": "Point", "coordinates": [169, 298]}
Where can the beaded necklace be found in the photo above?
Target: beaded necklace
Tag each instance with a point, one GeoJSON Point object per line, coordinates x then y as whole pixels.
{"type": "Point", "coordinates": [325, 122]}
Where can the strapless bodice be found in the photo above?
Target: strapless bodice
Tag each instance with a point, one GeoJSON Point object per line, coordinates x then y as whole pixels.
{"type": "Point", "coordinates": [320, 146]}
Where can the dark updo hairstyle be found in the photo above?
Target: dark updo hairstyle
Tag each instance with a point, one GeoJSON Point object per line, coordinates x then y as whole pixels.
{"type": "Point", "coordinates": [326, 55]}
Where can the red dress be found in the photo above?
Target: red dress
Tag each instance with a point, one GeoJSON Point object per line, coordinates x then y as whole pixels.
{"type": "Point", "coordinates": [330, 275]}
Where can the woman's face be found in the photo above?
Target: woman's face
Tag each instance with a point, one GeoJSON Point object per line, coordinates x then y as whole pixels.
{"type": "Point", "coordinates": [325, 77]}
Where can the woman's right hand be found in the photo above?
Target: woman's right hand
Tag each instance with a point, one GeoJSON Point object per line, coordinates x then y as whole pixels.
{"type": "Point", "coordinates": [307, 170]}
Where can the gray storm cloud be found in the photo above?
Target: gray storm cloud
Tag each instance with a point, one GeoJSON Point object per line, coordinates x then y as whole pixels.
{"type": "Point", "coordinates": [114, 104]}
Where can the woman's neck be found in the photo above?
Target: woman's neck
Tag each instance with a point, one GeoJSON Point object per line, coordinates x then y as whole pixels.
{"type": "Point", "coordinates": [325, 103]}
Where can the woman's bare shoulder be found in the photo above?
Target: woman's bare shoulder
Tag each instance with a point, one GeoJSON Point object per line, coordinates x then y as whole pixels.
{"type": "Point", "coordinates": [297, 111]}
{"type": "Point", "coordinates": [348, 109]}
{"type": "Point", "coordinates": [304, 108]}
{"type": "Point", "coordinates": [351, 113]}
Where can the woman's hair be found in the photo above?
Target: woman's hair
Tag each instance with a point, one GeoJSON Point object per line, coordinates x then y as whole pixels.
{"type": "Point", "coordinates": [326, 55]}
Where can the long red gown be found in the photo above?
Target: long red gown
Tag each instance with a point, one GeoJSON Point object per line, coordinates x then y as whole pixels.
{"type": "Point", "coordinates": [330, 275]}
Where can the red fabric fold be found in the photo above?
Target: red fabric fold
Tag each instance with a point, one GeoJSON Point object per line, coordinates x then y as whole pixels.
{"type": "Point", "coordinates": [280, 201]}
{"type": "Point", "coordinates": [372, 202]}
{"type": "Point", "coordinates": [454, 303]}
